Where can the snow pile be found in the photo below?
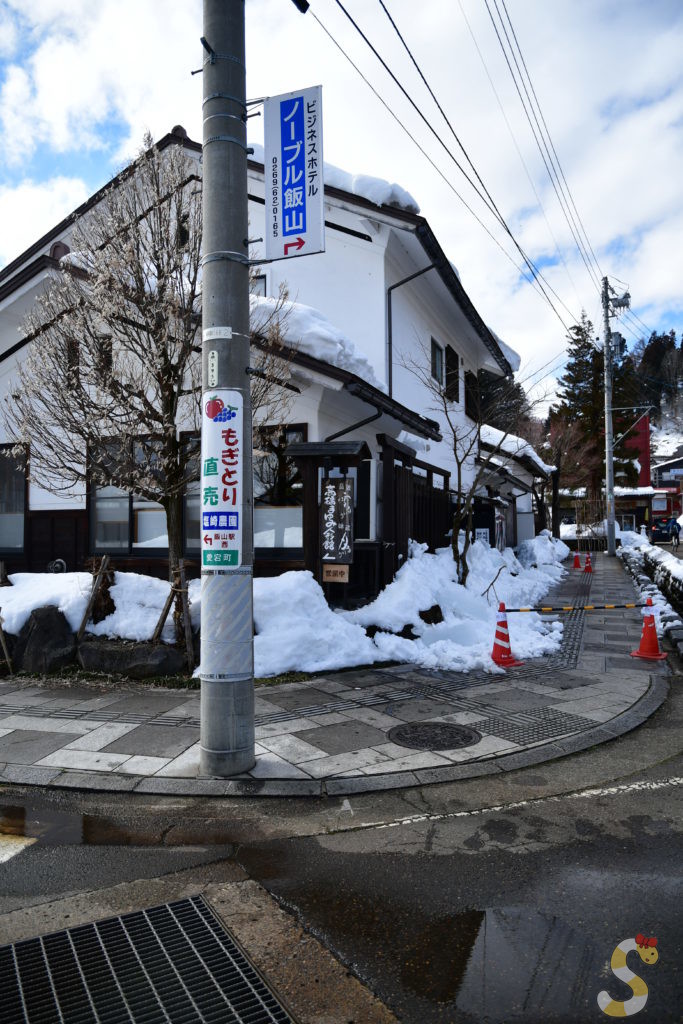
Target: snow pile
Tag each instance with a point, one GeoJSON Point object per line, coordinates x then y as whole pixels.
{"type": "Point", "coordinates": [138, 599]}
{"type": "Point", "coordinates": [308, 330]}
{"type": "Point", "coordinates": [510, 444]}
{"type": "Point", "coordinates": [665, 441]}
{"type": "Point", "coordinates": [463, 641]}
{"type": "Point", "coordinates": [297, 631]}
{"type": "Point", "coordinates": [513, 358]}
{"type": "Point", "coordinates": [375, 190]}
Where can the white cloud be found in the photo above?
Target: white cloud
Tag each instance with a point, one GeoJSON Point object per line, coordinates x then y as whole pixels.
{"type": "Point", "coordinates": [30, 209]}
{"type": "Point", "coordinates": [607, 75]}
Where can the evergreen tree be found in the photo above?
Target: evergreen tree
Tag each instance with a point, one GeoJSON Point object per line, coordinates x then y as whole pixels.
{"type": "Point", "coordinates": [583, 404]}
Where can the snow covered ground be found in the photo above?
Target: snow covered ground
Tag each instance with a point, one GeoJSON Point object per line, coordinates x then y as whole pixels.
{"type": "Point", "coordinates": [296, 630]}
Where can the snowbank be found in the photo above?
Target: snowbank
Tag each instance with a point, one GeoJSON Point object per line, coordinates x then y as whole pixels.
{"type": "Point", "coordinates": [510, 444]}
{"type": "Point", "coordinates": [297, 631]}
{"type": "Point", "coordinates": [375, 190]}
{"type": "Point", "coordinates": [309, 331]}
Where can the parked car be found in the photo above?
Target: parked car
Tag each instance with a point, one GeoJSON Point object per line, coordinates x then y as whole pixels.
{"type": "Point", "coordinates": [661, 529]}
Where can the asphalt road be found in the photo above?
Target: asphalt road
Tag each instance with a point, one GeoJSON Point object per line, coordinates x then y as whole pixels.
{"type": "Point", "coordinates": [498, 899]}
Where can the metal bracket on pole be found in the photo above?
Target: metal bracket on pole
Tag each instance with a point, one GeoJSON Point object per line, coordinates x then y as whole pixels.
{"type": "Point", "coordinates": [237, 257]}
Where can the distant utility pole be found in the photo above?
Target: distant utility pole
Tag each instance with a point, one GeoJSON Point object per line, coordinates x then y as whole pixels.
{"type": "Point", "coordinates": [226, 493]}
{"type": "Point", "coordinates": [617, 303]}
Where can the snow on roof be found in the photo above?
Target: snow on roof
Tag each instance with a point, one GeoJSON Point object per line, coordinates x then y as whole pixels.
{"type": "Point", "coordinates": [376, 190]}
{"type": "Point", "coordinates": [512, 445]}
{"type": "Point", "coordinates": [311, 332]}
{"type": "Point", "coordinates": [619, 492]}
{"type": "Point", "coordinates": [512, 357]}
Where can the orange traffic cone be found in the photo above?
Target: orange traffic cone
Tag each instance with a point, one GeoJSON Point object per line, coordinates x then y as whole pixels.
{"type": "Point", "coordinates": [588, 567]}
{"type": "Point", "coordinates": [577, 560]}
{"type": "Point", "coordinates": [649, 644]}
{"type": "Point", "coordinates": [501, 653]}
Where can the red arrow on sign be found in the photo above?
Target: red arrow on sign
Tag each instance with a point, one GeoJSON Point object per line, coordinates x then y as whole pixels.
{"type": "Point", "coordinates": [207, 539]}
{"type": "Point", "coordinates": [299, 244]}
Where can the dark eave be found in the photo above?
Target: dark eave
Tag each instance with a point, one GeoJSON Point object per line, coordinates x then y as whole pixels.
{"type": "Point", "coordinates": [416, 424]}
{"type": "Point", "coordinates": [354, 451]}
{"type": "Point", "coordinates": [522, 460]}
{"type": "Point", "coordinates": [492, 470]}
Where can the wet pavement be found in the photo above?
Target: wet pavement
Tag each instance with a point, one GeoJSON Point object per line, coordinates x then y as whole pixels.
{"type": "Point", "coordinates": [337, 734]}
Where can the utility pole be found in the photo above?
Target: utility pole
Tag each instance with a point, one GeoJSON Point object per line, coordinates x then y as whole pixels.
{"type": "Point", "coordinates": [609, 442]}
{"type": "Point", "coordinates": [226, 495]}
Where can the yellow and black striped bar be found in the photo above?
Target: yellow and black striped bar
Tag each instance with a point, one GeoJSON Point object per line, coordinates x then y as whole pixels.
{"type": "Point", "coordinates": [575, 607]}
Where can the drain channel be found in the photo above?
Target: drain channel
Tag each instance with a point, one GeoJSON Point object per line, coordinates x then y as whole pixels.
{"type": "Point", "coordinates": [169, 964]}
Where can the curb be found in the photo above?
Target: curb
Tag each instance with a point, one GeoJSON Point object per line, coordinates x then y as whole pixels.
{"type": "Point", "coordinates": [628, 720]}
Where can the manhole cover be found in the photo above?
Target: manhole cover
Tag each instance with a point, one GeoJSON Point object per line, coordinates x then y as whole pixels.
{"type": "Point", "coordinates": [433, 736]}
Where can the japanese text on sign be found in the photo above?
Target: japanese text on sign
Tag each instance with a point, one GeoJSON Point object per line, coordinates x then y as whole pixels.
{"type": "Point", "coordinates": [220, 493]}
{"type": "Point", "coordinates": [336, 531]}
{"type": "Point", "coordinates": [293, 162]}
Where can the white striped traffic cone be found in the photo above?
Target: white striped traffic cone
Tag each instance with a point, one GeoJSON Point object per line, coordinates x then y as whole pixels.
{"type": "Point", "coordinates": [501, 653]}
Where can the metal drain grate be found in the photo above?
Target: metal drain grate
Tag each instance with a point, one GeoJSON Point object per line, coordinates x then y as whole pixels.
{"type": "Point", "coordinates": [533, 726]}
{"type": "Point", "coordinates": [173, 964]}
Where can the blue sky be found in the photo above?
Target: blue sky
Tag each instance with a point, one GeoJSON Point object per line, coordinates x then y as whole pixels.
{"type": "Point", "coordinates": [80, 82]}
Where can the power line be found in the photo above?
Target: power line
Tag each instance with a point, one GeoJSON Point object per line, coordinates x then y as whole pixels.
{"type": "Point", "coordinates": [557, 159]}
{"type": "Point", "coordinates": [519, 152]}
{"type": "Point", "coordinates": [438, 170]}
{"type": "Point", "coordinates": [542, 148]}
{"type": "Point", "coordinates": [534, 270]}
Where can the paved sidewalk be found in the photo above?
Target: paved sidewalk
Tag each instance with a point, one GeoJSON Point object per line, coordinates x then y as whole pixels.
{"type": "Point", "coordinates": [330, 735]}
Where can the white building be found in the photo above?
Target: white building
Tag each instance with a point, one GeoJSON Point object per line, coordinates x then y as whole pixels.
{"type": "Point", "coordinates": [383, 295]}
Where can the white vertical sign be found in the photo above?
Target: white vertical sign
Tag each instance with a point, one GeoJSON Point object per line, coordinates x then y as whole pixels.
{"type": "Point", "coordinates": [293, 165]}
{"type": "Point", "coordinates": [221, 479]}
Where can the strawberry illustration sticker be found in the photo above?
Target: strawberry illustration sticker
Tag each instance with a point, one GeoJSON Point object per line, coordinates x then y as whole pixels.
{"type": "Point", "coordinates": [221, 480]}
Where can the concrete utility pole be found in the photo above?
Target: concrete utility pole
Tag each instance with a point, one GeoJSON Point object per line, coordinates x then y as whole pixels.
{"type": "Point", "coordinates": [227, 650]}
{"type": "Point", "coordinates": [609, 441]}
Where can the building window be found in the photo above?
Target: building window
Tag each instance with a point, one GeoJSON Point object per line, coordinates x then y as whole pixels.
{"type": "Point", "coordinates": [278, 490]}
{"type": "Point", "coordinates": [437, 362]}
{"type": "Point", "coordinates": [124, 522]}
{"type": "Point", "coordinates": [472, 396]}
{"type": "Point", "coordinates": [257, 284]}
{"type": "Point", "coordinates": [12, 500]}
{"type": "Point", "coordinates": [452, 389]}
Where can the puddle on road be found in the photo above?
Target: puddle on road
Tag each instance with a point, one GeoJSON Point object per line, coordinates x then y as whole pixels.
{"type": "Point", "coordinates": [51, 827]}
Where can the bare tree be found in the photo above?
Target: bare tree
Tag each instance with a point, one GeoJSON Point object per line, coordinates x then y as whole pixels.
{"type": "Point", "coordinates": [109, 392]}
{"type": "Point", "coordinates": [477, 448]}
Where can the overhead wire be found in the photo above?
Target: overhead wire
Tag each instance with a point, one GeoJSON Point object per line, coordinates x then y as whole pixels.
{"type": "Point", "coordinates": [550, 140]}
{"type": "Point", "coordinates": [558, 250]}
{"type": "Point", "coordinates": [536, 274]}
{"type": "Point", "coordinates": [426, 155]}
{"type": "Point", "coordinates": [540, 144]}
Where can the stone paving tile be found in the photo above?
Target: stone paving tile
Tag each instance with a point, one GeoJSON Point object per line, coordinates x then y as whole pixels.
{"type": "Point", "coordinates": [292, 748]}
{"type": "Point", "coordinates": [517, 700]}
{"type": "Point", "coordinates": [419, 710]}
{"type": "Point", "coordinates": [95, 761]}
{"type": "Point", "coordinates": [147, 704]}
{"type": "Point", "coordinates": [425, 759]}
{"type": "Point", "coordinates": [270, 766]}
{"type": "Point", "coordinates": [341, 739]}
{"type": "Point", "coordinates": [370, 716]}
{"type": "Point", "coordinates": [140, 765]}
{"type": "Point", "coordinates": [96, 739]}
{"type": "Point", "coordinates": [329, 718]}
{"type": "Point", "coordinates": [96, 703]}
{"type": "Point", "coordinates": [185, 765]}
{"type": "Point", "coordinates": [29, 775]}
{"type": "Point", "coordinates": [329, 685]}
{"type": "Point", "coordinates": [188, 710]}
{"type": "Point", "coordinates": [346, 762]}
{"type": "Point", "coordinates": [75, 727]}
{"type": "Point", "coordinates": [26, 746]}
{"type": "Point", "coordinates": [281, 728]}
{"type": "Point", "coordinates": [293, 700]}
{"type": "Point", "coordinates": [465, 717]}
{"type": "Point", "coordinates": [265, 707]}
{"type": "Point", "coordinates": [154, 740]}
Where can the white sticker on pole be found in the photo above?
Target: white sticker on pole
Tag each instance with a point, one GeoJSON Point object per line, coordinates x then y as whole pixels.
{"type": "Point", "coordinates": [293, 164]}
{"type": "Point", "coordinates": [221, 479]}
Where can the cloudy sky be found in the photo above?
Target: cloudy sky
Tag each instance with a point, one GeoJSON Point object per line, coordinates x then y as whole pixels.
{"type": "Point", "coordinates": [80, 82]}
